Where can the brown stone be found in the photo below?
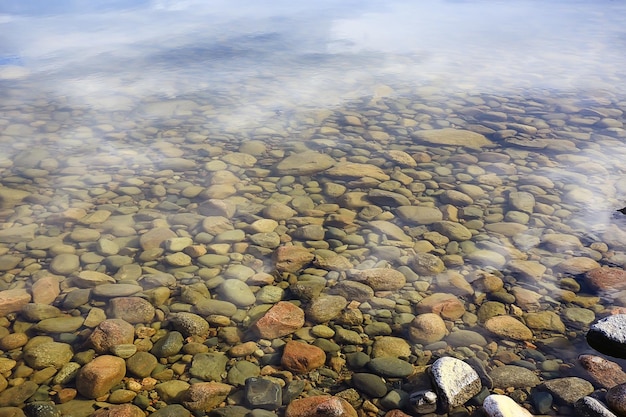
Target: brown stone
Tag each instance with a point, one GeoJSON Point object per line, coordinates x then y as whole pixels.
{"type": "Point", "coordinates": [448, 306]}
{"type": "Point", "coordinates": [123, 410]}
{"type": "Point", "coordinates": [577, 265]}
{"type": "Point", "coordinates": [155, 237]}
{"type": "Point", "coordinates": [111, 332]}
{"type": "Point", "coordinates": [291, 258]}
{"type": "Point", "coordinates": [282, 319]}
{"type": "Point", "coordinates": [97, 377]}
{"type": "Point", "coordinates": [301, 357]}
{"type": "Point", "coordinates": [134, 310]}
{"type": "Point", "coordinates": [205, 396]}
{"type": "Point", "coordinates": [12, 301]}
{"type": "Point", "coordinates": [603, 372]}
{"type": "Point", "coordinates": [379, 279]}
{"type": "Point", "coordinates": [427, 328]}
{"type": "Point", "coordinates": [606, 278]}
{"type": "Point", "coordinates": [508, 327]}
{"type": "Point", "coordinates": [320, 406]}
{"type": "Point", "coordinates": [45, 290]}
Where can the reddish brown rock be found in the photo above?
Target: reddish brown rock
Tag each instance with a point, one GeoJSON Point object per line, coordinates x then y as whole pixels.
{"type": "Point", "coordinates": [448, 306]}
{"type": "Point", "coordinates": [124, 410]}
{"type": "Point", "coordinates": [205, 396]}
{"type": "Point", "coordinates": [396, 413]}
{"type": "Point", "coordinates": [606, 278]}
{"type": "Point", "coordinates": [427, 328]}
{"type": "Point", "coordinates": [45, 290]}
{"type": "Point", "coordinates": [603, 372]}
{"type": "Point", "coordinates": [12, 301]}
{"type": "Point", "coordinates": [97, 377]}
{"type": "Point", "coordinates": [111, 332]}
{"type": "Point", "coordinates": [291, 258]}
{"type": "Point", "coordinates": [282, 319]}
{"type": "Point", "coordinates": [320, 406]}
{"type": "Point", "coordinates": [131, 309]}
{"type": "Point", "coordinates": [301, 357]}
{"type": "Point", "coordinates": [380, 279]}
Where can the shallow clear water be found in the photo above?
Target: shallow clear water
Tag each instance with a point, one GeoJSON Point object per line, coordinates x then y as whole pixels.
{"type": "Point", "coordinates": [143, 111]}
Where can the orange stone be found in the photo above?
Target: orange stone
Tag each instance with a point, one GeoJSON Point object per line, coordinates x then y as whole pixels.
{"type": "Point", "coordinates": [320, 406]}
{"type": "Point", "coordinates": [301, 357]}
{"type": "Point", "coordinates": [282, 319]}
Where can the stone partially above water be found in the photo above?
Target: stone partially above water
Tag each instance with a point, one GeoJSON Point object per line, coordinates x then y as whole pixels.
{"type": "Point", "coordinates": [455, 380]}
{"type": "Point", "coordinates": [608, 336]}
{"type": "Point", "coordinates": [496, 405]}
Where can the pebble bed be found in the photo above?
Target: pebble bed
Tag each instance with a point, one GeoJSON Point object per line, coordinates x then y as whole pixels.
{"type": "Point", "coordinates": [411, 253]}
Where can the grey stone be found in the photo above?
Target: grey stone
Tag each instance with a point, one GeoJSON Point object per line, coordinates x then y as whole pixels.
{"type": "Point", "coordinates": [513, 376]}
{"type": "Point", "coordinates": [241, 371]}
{"type": "Point", "coordinates": [236, 292]}
{"type": "Point", "coordinates": [263, 393]}
{"type": "Point", "coordinates": [455, 380]}
{"type": "Point", "coordinates": [390, 367]}
{"type": "Point", "coordinates": [168, 345]}
{"type": "Point", "coordinates": [568, 390]}
{"type": "Point", "coordinates": [370, 384]}
{"type": "Point", "coordinates": [209, 366]}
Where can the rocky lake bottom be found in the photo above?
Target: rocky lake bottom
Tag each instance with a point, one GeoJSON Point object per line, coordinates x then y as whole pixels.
{"type": "Point", "coordinates": [410, 253]}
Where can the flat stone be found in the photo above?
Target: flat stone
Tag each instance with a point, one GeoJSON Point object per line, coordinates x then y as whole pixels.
{"type": "Point", "coordinates": [379, 279]}
{"type": "Point", "coordinates": [261, 393]}
{"type": "Point", "coordinates": [370, 384]}
{"type": "Point", "coordinates": [352, 290]}
{"type": "Point", "coordinates": [236, 292]}
{"type": "Point", "coordinates": [280, 320]}
{"type": "Point", "coordinates": [419, 214]}
{"type": "Point", "coordinates": [448, 306]}
{"type": "Point", "coordinates": [529, 270]}
{"type": "Point", "coordinates": [390, 230]}
{"type": "Point", "coordinates": [141, 364]}
{"type": "Point", "coordinates": [304, 163]}
{"type": "Point", "coordinates": [172, 391]}
{"type": "Point", "coordinates": [291, 258]}
{"type": "Point", "coordinates": [577, 265]}
{"type": "Point", "coordinates": [12, 301]}
{"type": "Point", "coordinates": [205, 396]}
{"type": "Point", "coordinates": [210, 366]}
{"type": "Point", "coordinates": [606, 278]}
{"type": "Point", "coordinates": [325, 308]}
{"type": "Point", "coordinates": [54, 354]}
{"type": "Point", "coordinates": [67, 324]}
{"type": "Point", "coordinates": [455, 137]}
{"type": "Point", "coordinates": [17, 396]}
{"type": "Point", "coordinates": [210, 307]}
{"type": "Point", "coordinates": [64, 264]}
{"type": "Point", "coordinates": [455, 380]}
{"type": "Point", "coordinates": [155, 238]}
{"type": "Point", "coordinates": [115, 290]}
{"type": "Point", "coordinates": [465, 338]}
{"type": "Point", "coordinates": [395, 347]}
{"type": "Point", "coordinates": [426, 264]}
{"type": "Point", "coordinates": [568, 390]}
{"type": "Point", "coordinates": [544, 320]}
{"type": "Point", "coordinates": [350, 170]}
{"type": "Point", "coordinates": [513, 376]}
{"type": "Point", "coordinates": [388, 366]}
{"type": "Point", "coordinates": [603, 372]}
{"type": "Point", "coordinates": [508, 327]}
{"type": "Point", "coordinates": [301, 357]}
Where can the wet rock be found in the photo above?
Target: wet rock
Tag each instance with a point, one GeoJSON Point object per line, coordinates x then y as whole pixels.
{"type": "Point", "coordinates": [379, 279]}
{"type": "Point", "coordinates": [282, 319]}
{"type": "Point", "coordinates": [131, 309]}
{"type": "Point", "coordinates": [606, 278]}
{"type": "Point", "coordinates": [351, 290]}
{"type": "Point", "coordinates": [48, 354]}
{"type": "Point", "coordinates": [97, 377]}
{"type": "Point", "coordinates": [455, 137]}
{"type": "Point", "coordinates": [190, 324]}
{"type": "Point", "coordinates": [111, 332]}
{"type": "Point", "coordinates": [602, 371]}
{"type": "Point", "coordinates": [115, 290]}
{"type": "Point", "coordinates": [173, 410]}
{"type": "Point", "coordinates": [210, 366]}
{"type": "Point", "coordinates": [168, 345]}
{"type": "Point", "coordinates": [263, 394]}
{"type": "Point", "coordinates": [64, 264]}
{"type": "Point", "coordinates": [508, 327]}
{"type": "Point", "coordinates": [496, 405]}
{"type": "Point", "coordinates": [568, 390]}
{"type": "Point", "coordinates": [45, 290]}
{"type": "Point", "coordinates": [291, 258]}
{"type": "Point", "coordinates": [141, 364]}
{"type": "Point", "coordinates": [465, 338]}
{"type": "Point", "coordinates": [301, 357]}
{"type": "Point", "coordinates": [427, 328]}
{"type": "Point", "coordinates": [391, 367]}
{"type": "Point", "coordinates": [577, 265]}
{"type": "Point", "coordinates": [349, 170]}
{"type": "Point", "coordinates": [172, 391]}
{"type": "Point", "coordinates": [370, 384]}
{"type": "Point", "coordinates": [17, 395]}
{"type": "Point", "coordinates": [486, 258]}
{"type": "Point", "coordinates": [448, 306]}
{"type": "Point", "coordinates": [66, 324]}
{"type": "Point", "coordinates": [236, 292]}
{"type": "Point", "coordinates": [320, 406]}
{"type": "Point", "coordinates": [528, 270]}
{"type": "Point", "coordinates": [544, 320]}
{"type": "Point", "coordinates": [205, 396]}
{"type": "Point", "coordinates": [513, 376]}
{"type": "Point", "coordinates": [456, 381]}
{"type": "Point", "coordinates": [304, 163]}
{"type": "Point", "coordinates": [122, 410]}
{"type": "Point", "coordinates": [390, 230]}
{"type": "Point", "coordinates": [12, 301]}
{"type": "Point", "coordinates": [426, 264]}
{"type": "Point", "coordinates": [391, 346]}
{"type": "Point", "coordinates": [326, 308]}
{"type": "Point", "coordinates": [419, 214]}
